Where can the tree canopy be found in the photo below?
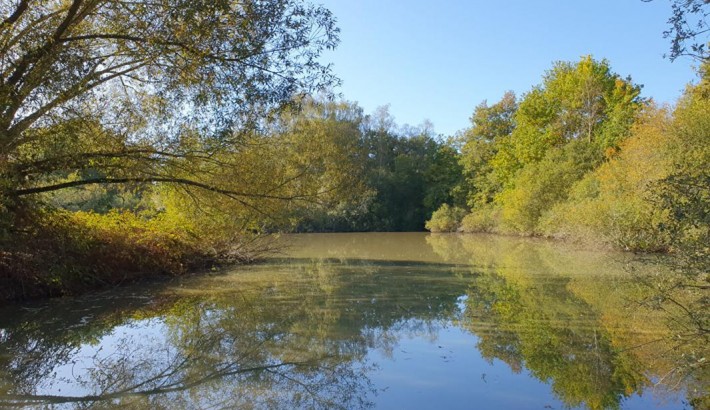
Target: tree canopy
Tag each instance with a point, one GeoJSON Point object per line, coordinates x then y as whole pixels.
{"type": "Point", "coordinates": [139, 91]}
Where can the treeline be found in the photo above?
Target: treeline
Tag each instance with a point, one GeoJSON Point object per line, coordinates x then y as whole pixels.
{"type": "Point", "coordinates": [403, 173]}
{"type": "Point", "coordinates": [583, 156]}
{"type": "Point", "coordinates": [321, 166]}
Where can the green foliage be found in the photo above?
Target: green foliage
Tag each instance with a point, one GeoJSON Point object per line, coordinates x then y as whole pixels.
{"type": "Point", "coordinates": [520, 159]}
{"type": "Point", "coordinates": [101, 198]}
{"type": "Point", "coordinates": [191, 108]}
{"type": "Point", "coordinates": [481, 219]}
{"type": "Point", "coordinates": [178, 83]}
{"type": "Point", "coordinates": [581, 160]}
{"type": "Point", "coordinates": [401, 187]}
{"type": "Point", "coordinates": [583, 101]}
{"type": "Point", "coordinates": [404, 175]}
{"type": "Point", "coordinates": [611, 204]}
{"type": "Point", "coordinates": [493, 122]}
{"type": "Point", "coordinates": [653, 194]}
{"type": "Point", "coordinates": [685, 192]}
{"type": "Point", "coordinates": [442, 177]}
{"type": "Point", "coordinates": [59, 252]}
{"type": "Point", "coordinates": [310, 162]}
{"type": "Point", "coordinates": [445, 219]}
{"type": "Point", "coordinates": [542, 184]}
{"type": "Point", "coordinates": [206, 131]}
{"type": "Point", "coordinates": [195, 132]}
{"type": "Point", "coordinates": [482, 142]}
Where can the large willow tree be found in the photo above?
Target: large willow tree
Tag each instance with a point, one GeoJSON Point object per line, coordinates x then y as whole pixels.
{"type": "Point", "coordinates": [153, 92]}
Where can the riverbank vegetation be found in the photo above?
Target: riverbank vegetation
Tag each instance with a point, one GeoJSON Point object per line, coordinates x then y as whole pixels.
{"type": "Point", "coordinates": [582, 156]}
{"type": "Point", "coordinates": [138, 140]}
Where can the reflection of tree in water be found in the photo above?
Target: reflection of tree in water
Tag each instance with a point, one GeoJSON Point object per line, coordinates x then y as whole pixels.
{"type": "Point", "coordinates": [581, 322]}
{"type": "Point", "coordinates": [554, 335]}
{"type": "Point", "coordinates": [41, 338]}
{"type": "Point", "coordinates": [297, 334]}
{"type": "Point", "coordinates": [292, 340]}
{"type": "Point", "coordinates": [202, 354]}
{"type": "Point", "coordinates": [682, 302]}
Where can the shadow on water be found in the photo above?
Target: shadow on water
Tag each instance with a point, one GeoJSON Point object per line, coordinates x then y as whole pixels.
{"type": "Point", "coordinates": [298, 331]}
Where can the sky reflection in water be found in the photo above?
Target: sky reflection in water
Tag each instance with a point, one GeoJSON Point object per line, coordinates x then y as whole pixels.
{"type": "Point", "coordinates": [359, 321]}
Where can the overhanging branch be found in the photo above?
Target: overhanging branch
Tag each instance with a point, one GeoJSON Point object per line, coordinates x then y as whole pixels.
{"type": "Point", "coordinates": [179, 181]}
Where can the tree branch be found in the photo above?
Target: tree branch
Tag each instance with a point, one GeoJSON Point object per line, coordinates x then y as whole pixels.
{"type": "Point", "coordinates": [21, 8]}
{"type": "Point", "coordinates": [20, 400]}
{"type": "Point", "coordinates": [180, 181]}
{"type": "Point", "coordinates": [44, 50]}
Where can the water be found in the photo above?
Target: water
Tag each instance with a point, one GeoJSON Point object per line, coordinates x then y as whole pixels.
{"type": "Point", "coordinates": [369, 321]}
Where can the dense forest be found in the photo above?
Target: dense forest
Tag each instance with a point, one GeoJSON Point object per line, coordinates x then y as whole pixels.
{"type": "Point", "coordinates": [173, 137]}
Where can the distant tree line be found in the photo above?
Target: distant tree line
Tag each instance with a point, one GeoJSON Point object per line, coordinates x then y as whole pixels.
{"type": "Point", "coordinates": [404, 173]}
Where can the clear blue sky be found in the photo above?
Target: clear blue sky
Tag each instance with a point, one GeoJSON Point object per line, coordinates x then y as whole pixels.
{"type": "Point", "coordinates": [437, 60]}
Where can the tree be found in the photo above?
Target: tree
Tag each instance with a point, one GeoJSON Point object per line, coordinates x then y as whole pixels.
{"type": "Point", "coordinates": [576, 101]}
{"type": "Point", "coordinates": [689, 29]}
{"type": "Point", "coordinates": [685, 192]}
{"type": "Point", "coordinates": [143, 92]}
{"type": "Point", "coordinates": [443, 177]}
{"type": "Point", "coordinates": [326, 140]}
{"type": "Point", "coordinates": [490, 124]}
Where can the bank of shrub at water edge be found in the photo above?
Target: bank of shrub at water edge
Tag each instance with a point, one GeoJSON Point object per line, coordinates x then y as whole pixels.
{"type": "Point", "coordinates": [56, 253]}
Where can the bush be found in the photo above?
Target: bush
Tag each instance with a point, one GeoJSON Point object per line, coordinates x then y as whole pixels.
{"type": "Point", "coordinates": [57, 252]}
{"type": "Point", "coordinates": [541, 185]}
{"type": "Point", "coordinates": [626, 222]}
{"type": "Point", "coordinates": [445, 219]}
{"type": "Point", "coordinates": [685, 192]}
{"type": "Point", "coordinates": [484, 219]}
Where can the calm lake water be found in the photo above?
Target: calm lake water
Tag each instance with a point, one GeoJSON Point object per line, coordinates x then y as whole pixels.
{"type": "Point", "coordinates": [395, 321]}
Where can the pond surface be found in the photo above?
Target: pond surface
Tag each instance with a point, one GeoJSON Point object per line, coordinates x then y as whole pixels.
{"type": "Point", "coordinates": [367, 321]}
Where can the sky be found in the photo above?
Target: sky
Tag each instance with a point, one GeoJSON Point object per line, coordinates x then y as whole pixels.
{"type": "Point", "coordinates": [437, 60]}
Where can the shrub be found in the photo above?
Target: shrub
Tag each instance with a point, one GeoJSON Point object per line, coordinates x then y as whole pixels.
{"type": "Point", "coordinates": [484, 219]}
{"type": "Point", "coordinates": [541, 185]}
{"type": "Point", "coordinates": [57, 252]}
{"type": "Point", "coordinates": [445, 219]}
